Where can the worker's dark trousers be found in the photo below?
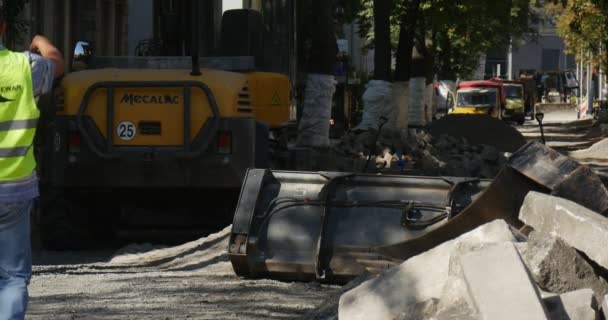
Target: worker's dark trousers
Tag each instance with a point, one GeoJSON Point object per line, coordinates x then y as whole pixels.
{"type": "Point", "coordinates": [15, 259]}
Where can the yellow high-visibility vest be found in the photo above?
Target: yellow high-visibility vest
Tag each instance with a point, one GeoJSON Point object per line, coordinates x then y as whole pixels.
{"type": "Point", "coordinates": [18, 117]}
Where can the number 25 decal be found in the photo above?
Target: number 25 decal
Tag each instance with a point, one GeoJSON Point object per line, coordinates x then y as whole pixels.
{"type": "Point", "coordinates": [126, 130]}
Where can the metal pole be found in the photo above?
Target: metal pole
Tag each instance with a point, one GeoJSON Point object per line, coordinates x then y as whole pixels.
{"type": "Point", "coordinates": [510, 61]}
{"type": "Point", "coordinates": [589, 83]}
{"type": "Point", "coordinates": [601, 77]}
{"type": "Point", "coordinates": [578, 70]}
{"type": "Point", "coordinates": [580, 77]}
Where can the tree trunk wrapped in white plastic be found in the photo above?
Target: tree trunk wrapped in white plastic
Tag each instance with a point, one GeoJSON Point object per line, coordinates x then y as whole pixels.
{"type": "Point", "coordinates": [316, 112]}
{"type": "Point", "coordinates": [428, 103]}
{"type": "Point", "coordinates": [417, 113]}
{"type": "Point", "coordinates": [400, 101]}
{"type": "Point", "coordinates": [377, 101]}
{"type": "Point", "coordinates": [445, 87]}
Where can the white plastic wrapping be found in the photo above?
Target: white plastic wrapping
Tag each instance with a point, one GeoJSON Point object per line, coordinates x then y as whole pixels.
{"type": "Point", "coordinates": [400, 101]}
{"type": "Point", "coordinates": [444, 88]}
{"type": "Point", "coordinates": [416, 102]}
{"type": "Point", "coordinates": [377, 103]}
{"type": "Point", "coordinates": [428, 103]}
{"type": "Point", "coordinates": [313, 130]}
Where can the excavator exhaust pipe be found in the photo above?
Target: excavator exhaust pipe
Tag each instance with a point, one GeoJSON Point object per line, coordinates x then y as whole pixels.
{"type": "Point", "coordinates": [331, 227]}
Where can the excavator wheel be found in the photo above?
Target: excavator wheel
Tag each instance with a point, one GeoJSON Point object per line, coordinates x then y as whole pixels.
{"type": "Point", "coordinates": [65, 226]}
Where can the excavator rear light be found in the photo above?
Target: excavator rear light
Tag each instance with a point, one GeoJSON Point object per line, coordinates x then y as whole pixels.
{"type": "Point", "coordinates": [224, 142]}
{"type": "Point", "coordinates": [74, 142]}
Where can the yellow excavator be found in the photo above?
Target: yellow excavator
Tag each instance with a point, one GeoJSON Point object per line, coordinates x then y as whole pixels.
{"type": "Point", "coordinates": [140, 144]}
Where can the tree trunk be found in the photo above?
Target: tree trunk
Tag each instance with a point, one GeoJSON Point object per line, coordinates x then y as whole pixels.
{"type": "Point", "coordinates": [382, 31]}
{"type": "Point", "coordinates": [324, 47]}
{"type": "Point", "coordinates": [407, 32]}
{"type": "Point", "coordinates": [314, 128]}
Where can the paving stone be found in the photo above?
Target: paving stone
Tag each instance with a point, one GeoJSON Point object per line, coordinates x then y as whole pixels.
{"type": "Point", "coordinates": [559, 268]}
{"type": "Point", "coordinates": [499, 284]}
{"type": "Point", "coordinates": [575, 305]}
{"type": "Point", "coordinates": [579, 227]}
{"type": "Point", "coordinates": [408, 290]}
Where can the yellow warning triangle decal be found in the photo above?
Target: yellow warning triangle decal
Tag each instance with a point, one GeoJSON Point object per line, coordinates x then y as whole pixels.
{"type": "Point", "coordinates": [276, 100]}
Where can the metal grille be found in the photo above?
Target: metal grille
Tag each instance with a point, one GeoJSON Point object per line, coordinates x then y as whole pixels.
{"type": "Point", "coordinates": [244, 101]}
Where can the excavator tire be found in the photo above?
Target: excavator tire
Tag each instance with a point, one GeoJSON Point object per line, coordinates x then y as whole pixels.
{"type": "Point", "coordinates": [479, 129]}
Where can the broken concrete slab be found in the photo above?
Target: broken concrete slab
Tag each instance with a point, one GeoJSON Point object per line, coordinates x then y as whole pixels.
{"type": "Point", "coordinates": [455, 301]}
{"type": "Point", "coordinates": [499, 284]}
{"type": "Point", "coordinates": [328, 310]}
{"type": "Point", "coordinates": [401, 291]}
{"type": "Point", "coordinates": [578, 226]}
{"type": "Point", "coordinates": [559, 268]}
{"type": "Point", "coordinates": [575, 305]}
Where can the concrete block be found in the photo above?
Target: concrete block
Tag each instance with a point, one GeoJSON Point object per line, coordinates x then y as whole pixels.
{"type": "Point", "coordinates": [559, 268]}
{"type": "Point", "coordinates": [455, 302]}
{"type": "Point", "coordinates": [605, 306]}
{"type": "Point", "coordinates": [408, 290]}
{"type": "Point", "coordinates": [578, 226]}
{"type": "Point", "coordinates": [328, 309]}
{"type": "Point", "coordinates": [499, 284]}
{"type": "Point", "coordinates": [575, 305]}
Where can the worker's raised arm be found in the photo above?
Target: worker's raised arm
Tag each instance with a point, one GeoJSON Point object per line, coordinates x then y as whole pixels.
{"type": "Point", "coordinates": [47, 50]}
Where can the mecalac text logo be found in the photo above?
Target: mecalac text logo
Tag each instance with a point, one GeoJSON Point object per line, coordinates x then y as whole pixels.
{"type": "Point", "coordinates": [133, 99]}
{"type": "Point", "coordinates": [9, 89]}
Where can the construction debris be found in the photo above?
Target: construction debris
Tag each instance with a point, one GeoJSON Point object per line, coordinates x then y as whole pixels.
{"type": "Point", "coordinates": [498, 283]}
{"type": "Point", "coordinates": [411, 290]}
{"type": "Point", "coordinates": [328, 310]}
{"type": "Point", "coordinates": [559, 268]}
{"type": "Point", "coordinates": [579, 227]}
{"type": "Point", "coordinates": [484, 274]}
{"type": "Point", "coordinates": [576, 305]}
{"type": "Point", "coordinates": [424, 154]}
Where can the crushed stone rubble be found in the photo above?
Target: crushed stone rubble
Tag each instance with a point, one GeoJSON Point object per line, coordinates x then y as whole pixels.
{"type": "Point", "coordinates": [421, 152]}
{"type": "Point", "coordinates": [555, 269]}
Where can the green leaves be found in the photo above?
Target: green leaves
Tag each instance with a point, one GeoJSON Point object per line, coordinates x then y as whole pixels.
{"type": "Point", "coordinates": [457, 32]}
{"type": "Point", "coordinates": [584, 26]}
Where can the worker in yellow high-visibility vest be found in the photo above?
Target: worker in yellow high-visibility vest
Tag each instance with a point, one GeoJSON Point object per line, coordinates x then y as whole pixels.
{"type": "Point", "coordinates": [23, 77]}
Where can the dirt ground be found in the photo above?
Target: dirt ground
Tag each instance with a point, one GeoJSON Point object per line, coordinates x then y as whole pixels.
{"type": "Point", "coordinates": [192, 281]}
{"type": "Point", "coordinates": [195, 280]}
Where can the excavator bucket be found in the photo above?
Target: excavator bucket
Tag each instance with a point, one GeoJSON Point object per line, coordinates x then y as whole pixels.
{"type": "Point", "coordinates": [479, 129]}
{"type": "Point", "coordinates": [557, 112]}
{"type": "Point", "coordinates": [332, 227]}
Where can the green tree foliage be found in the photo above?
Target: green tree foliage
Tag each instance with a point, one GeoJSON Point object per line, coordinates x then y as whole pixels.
{"type": "Point", "coordinates": [453, 33]}
{"type": "Point", "coordinates": [583, 24]}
